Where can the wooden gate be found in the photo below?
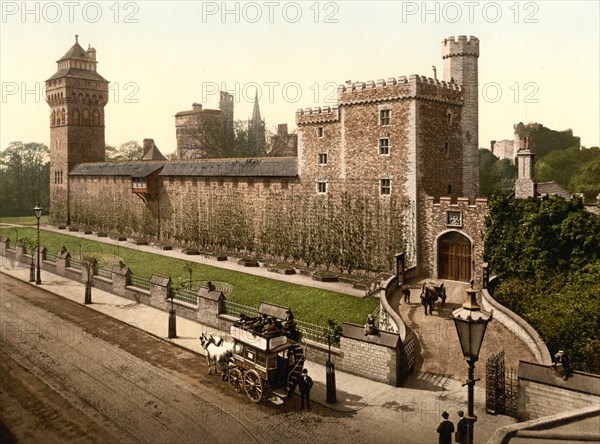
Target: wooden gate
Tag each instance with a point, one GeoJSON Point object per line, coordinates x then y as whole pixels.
{"type": "Point", "coordinates": [454, 257]}
{"type": "Point", "coordinates": [501, 387]}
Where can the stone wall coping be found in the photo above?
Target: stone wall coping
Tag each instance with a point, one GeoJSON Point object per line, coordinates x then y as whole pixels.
{"type": "Point", "coordinates": [161, 281]}
{"type": "Point", "coordinates": [383, 300]}
{"type": "Point", "coordinates": [544, 374]}
{"type": "Point", "coordinates": [535, 342]}
{"type": "Point", "coordinates": [63, 255]}
{"type": "Point", "coordinates": [277, 311]}
{"type": "Point", "coordinates": [184, 304]}
{"type": "Point", "coordinates": [123, 271]}
{"type": "Point", "coordinates": [4, 239]}
{"type": "Point", "coordinates": [213, 295]}
{"type": "Point", "coordinates": [100, 278]}
{"type": "Point", "coordinates": [136, 289]}
{"type": "Point", "coordinates": [383, 338]}
{"type": "Point", "coordinates": [505, 434]}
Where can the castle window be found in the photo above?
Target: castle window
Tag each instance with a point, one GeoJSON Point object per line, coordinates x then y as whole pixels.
{"type": "Point", "coordinates": [320, 131]}
{"type": "Point", "coordinates": [53, 119]}
{"type": "Point", "coordinates": [384, 146]}
{"type": "Point", "coordinates": [76, 120]}
{"type": "Point", "coordinates": [323, 159]}
{"type": "Point", "coordinates": [62, 117]}
{"type": "Point", "coordinates": [385, 187]}
{"type": "Point", "coordinates": [321, 187]}
{"type": "Point", "coordinates": [447, 150]}
{"type": "Point", "coordinates": [449, 116]}
{"type": "Point", "coordinates": [86, 117]}
{"type": "Point", "coordinates": [96, 118]}
{"type": "Point", "coordinates": [385, 117]}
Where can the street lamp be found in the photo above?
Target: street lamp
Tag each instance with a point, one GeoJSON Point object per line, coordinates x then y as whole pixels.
{"type": "Point", "coordinates": [38, 213]}
{"type": "Point", "coordinates": [172, 318]}
{"type": "Point", "coordinates": [471, 322]}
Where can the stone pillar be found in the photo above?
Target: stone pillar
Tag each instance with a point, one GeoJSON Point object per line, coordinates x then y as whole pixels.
{"type": "Point", "coordinates": [4, 244]}
{"type": "Point", "coordinates": [159, 291]}
{"type": "Point", "coordinates": [121, 278]}
{"type": "Point", "coordinates": [210, 306]}
{"type": "Point", "coordinates": [21, 255]}
{"type": "Point", "coordinates": [63, 261]}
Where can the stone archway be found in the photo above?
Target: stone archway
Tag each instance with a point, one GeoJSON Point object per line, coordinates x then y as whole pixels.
{"type": "Point", "coordinates": [454, 257]}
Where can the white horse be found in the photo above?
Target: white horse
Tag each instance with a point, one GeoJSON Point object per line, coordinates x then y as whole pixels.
{"type": "Point", "coordinates": [217, 351]}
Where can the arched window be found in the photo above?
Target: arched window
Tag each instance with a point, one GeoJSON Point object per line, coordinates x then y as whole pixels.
{"type": "Point", "coordinates": [76, 120]}
{"type": "Point", "coordinates": [96, 118]}
{"type": "Point", "coordinates": [80, 98]}
{"type": "Point", "coordinates": [53, 118]}
{"type": "Point", "coordinates": [94, 99]}
{"type": "Point", "coordinates": [86, 117]}
{"type": "Point", "coordinates": [62, 117]}
{"type": "Point", "coordinates": [87, 98]}
{"type": "Point", "coordinates": [100, 98]}
{"type": "Point", "coordinates": [74, 97]}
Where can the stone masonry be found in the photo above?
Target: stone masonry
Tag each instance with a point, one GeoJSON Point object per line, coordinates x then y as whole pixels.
{"type": "Point", "coordinates": [370, 164]}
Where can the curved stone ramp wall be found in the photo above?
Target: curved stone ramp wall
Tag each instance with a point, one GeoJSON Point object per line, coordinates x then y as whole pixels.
{"type": "Point", "coordinates": [518, 326]}
{"type": "Point", "coordinates": [389, 319]}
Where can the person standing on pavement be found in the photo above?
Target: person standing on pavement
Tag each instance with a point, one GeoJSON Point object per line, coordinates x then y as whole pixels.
{"type": "Point", "coordinates": [305, 384]}
{"type": "Point", "coordinates": [445, 430]}
{"type": "Point", "coordinates": [461, 428]}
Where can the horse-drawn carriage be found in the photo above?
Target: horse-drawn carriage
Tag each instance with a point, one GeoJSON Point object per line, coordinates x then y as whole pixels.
{"type": "Point", "coordinates": [265, 358]}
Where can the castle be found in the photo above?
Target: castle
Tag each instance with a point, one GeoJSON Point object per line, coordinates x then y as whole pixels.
{"type": "Point", "coordinates": [392, 167]}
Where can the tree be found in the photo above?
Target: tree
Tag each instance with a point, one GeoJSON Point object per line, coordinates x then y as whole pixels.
{"type": "Point", "coordinates": [587, 181]}
{"type": "Point", "coordinates": [127, 151]}
{"type": "Point", "coordinates": [547, 255]}
{"type": "Point", "coordinates": [24, 178]}
{"type": "Point", "coordinates": [495, 173]}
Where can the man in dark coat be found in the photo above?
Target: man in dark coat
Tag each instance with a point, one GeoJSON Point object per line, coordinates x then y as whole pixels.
{"type": "Point", "coordinates": [461, 428]}
{"type": "Point", "coordinates": [445, 430]}
{"type": "Point", "coordinates": [305, 384]}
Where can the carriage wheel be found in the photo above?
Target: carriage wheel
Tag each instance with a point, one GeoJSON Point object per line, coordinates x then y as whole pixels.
{"type": "Point", "coordinates": [235, 379]}
{"type": "Point", "coordinates": [253, 386]}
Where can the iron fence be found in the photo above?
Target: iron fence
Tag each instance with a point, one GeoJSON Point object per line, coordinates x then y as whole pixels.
{"type": "Point", "coordinates": [314, 332]}
{"type": "Point", "coordinates": [235, 309]}
{"type": "Point", "coordinates": [51, 256]}
{"type": "Point", "coordinates": [104, 272]}
{"type": "Point", "coordinates": [140, 282]}
{"type": "Point", "coordinates": [186, 295]}
{"type": "Point", "coordinates": [76, 263]}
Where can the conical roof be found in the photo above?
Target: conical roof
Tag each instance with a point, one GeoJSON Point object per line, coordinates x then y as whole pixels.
{"type": "Point", "coordinates": [76, 52]}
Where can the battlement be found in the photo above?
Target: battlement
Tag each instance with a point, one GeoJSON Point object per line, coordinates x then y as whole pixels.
{"type": "Point", "coordinates": [392, 81]}
{"type": "Point", "coordinates": [317, 114]}
{"type": "Point", "coordinates": [460, 46]}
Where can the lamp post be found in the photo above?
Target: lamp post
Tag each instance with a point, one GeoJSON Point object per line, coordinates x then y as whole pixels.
{"type": "Point", "coordinates": [38, 213]}
{"type": "Point", "coordinates": [172, 318]}
{"type": "Point", "coordinates": [471, 323]}
{"type": "Point", "coordinates": [330, 366]}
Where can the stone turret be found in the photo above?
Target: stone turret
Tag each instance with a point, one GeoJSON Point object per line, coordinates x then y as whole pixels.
{"type": "Point", "coordinates": [460, 65]}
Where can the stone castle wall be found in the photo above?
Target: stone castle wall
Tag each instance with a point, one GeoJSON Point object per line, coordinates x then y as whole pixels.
{"type": "Point", "coordinates": [433, 223]}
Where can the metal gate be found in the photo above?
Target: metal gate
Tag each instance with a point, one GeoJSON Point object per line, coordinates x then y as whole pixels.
{"type": "Point", "coordinates": [502, 387]}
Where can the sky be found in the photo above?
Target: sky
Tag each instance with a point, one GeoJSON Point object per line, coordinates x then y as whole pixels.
{"type": "Point", "coordinates": [539, 61]}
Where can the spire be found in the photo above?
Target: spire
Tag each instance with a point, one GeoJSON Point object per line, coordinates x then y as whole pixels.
{"type": "Point", "coordinates": [256, 110]}
{"type": "Point", "coordinates": [76, 38]}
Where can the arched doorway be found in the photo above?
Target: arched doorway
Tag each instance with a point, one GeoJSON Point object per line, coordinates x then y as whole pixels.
{"type": "Point", "coordinates": [454, 257]}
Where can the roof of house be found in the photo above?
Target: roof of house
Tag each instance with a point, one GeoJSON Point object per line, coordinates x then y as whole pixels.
{"type": "Point", "coordinates": [551, 188]}
{"type": "Point", "coordinates": [262, 167]}
{"type": "Point", "coordinates": [76, 73]}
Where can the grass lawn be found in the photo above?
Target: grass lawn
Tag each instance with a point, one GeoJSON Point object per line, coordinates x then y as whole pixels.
{"type": "Point", "coordinates": [308, 303]}
{"type": "Point", "coordinates": [23, 220]}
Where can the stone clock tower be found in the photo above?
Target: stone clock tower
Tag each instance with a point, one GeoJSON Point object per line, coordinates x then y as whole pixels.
{"type": "Point", "coordinates": [76, 94]}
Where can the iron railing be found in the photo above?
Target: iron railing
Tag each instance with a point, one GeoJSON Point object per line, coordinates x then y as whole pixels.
{"type": "Point", "coordinates": [50, 256]}
{"type": "Point", "coordinates": [140, 282]}
{"type": "Point", "coordinates": [235, 309]}
{"type": "Point", "coordinates": [104, 272]}
{"type": "Point", "coordinates": [186, 295]}
{"type": "Point", "coordinates": [76, 263]}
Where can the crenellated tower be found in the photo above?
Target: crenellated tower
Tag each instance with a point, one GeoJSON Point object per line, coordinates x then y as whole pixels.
{"type": "Point", "coordinates": [460, 65]}
{"type": "Point", "coordinates": [76, 94]}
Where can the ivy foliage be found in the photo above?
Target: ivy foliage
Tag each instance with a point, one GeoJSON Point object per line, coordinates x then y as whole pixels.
{"type": "Point", "coordinates": [547, 255]}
